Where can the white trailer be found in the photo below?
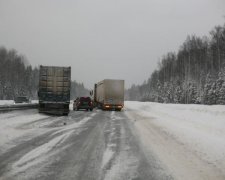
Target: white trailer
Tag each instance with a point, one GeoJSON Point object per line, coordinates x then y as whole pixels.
{"type": "Point", "coordinates": [109, 94]}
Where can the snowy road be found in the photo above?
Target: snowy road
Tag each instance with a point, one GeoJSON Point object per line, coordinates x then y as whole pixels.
{"type": "Point", "coordinates": [92, 145]}
{"type": "Point", "coordinates": [145, 141]}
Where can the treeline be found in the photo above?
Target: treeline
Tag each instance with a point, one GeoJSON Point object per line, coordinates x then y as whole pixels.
{"type": "Point", "coordinates": [195, 74]}
{"type": "Point", "coordinates": [18, 78]}
{"type": "Point", "coordinates": [77, 90]}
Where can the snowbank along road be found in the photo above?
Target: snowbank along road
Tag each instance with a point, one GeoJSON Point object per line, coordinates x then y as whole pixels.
{"type": "Point", "coordinates": [145, 141]}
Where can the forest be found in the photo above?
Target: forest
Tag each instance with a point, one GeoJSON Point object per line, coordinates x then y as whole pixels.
{"type": "Point", "coordinates": [18, 78]}
{"type": "Point", "coordinates": [193, 75]}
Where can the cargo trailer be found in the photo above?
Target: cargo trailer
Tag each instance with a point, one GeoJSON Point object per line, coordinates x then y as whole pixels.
{"type": "Point", "coordinates": [54, 90]}
{"type": "Point", "coordinates": [109, 94]}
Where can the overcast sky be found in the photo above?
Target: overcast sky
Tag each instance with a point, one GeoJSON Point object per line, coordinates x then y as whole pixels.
{"type": "Point", "coordinates": [100, 39]}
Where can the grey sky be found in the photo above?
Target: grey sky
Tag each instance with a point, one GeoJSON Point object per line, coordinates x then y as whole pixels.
{"type": "Point", "coordinates": [99, 39]}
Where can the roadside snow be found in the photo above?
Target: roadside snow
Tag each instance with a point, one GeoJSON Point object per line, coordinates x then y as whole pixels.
{"type": "Point", "coordinates": [18, 124]}
{"type": "Point", "coordinates": [185, 137]}
{"type": "Point", "coordinates": [44, 152]}
{"type": "Point", "coordinates": [6, 102]}
{"type": "Point", "coordinates": [39, 154]}
{"type": "Point", "coordinates": [10, 102]}
{"type": "Point", "coordinates": [9, 125]}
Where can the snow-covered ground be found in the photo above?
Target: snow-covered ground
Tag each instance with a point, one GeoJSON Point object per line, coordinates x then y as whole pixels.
{"type": "Point", "coordinates": [9, 102]}
{"type": "Point", "coordinates": [6, 102]}
{"type": "Point", "coordinates": [11, 126]}
{"type": "Point", "coordinates": [188, 139]}
{"type": "Point", "coordinates": [184, 141]}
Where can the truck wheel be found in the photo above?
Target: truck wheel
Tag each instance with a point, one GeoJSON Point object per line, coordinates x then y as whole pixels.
{"type": "Point", "coordinates": [91, 109]}
{"type": "Point", "coordinates": [65, 114]}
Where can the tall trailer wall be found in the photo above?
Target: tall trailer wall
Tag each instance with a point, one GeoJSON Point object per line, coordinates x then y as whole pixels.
{"type": "Point", "coordinates": [110, 94]}
{"type": "Point", "coordinates": [54, 89]}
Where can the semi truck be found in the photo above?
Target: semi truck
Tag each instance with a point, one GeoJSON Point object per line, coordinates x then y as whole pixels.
{"type": "Point", "coordinates": [54, 90]}
{"type": "Point", "coordinates": [109, 94]}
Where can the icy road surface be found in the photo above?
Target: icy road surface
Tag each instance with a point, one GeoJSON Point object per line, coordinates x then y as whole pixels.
{"type": "Point", "coordinates": [146, 141]}
{"type": "Point", "coordinates": [92, 145]}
